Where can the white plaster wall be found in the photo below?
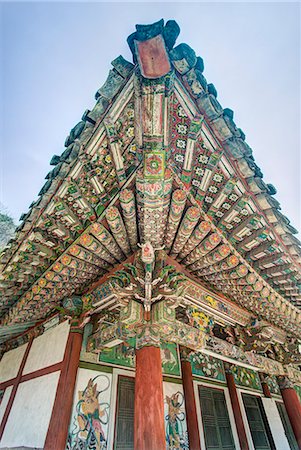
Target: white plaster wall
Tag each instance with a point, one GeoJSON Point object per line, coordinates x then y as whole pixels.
{"type": "Point", "coordinates": [48, 348]}
{"type": "Point", "coordinates": [103, 381]}
{"type": "Point", "coordinates": [275, 423]}
{"type": "Point", "coordinates": [170, 389]}
{"type": "Point", "coordinates": [5, 401]}
{"type": "Point", "coordinates": [10, 363]}
{"type": "Point", "coordinates": [30, 414]}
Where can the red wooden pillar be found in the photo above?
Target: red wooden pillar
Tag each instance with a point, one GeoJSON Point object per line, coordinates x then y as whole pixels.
{"type": "Point", "coordinates": [190, 406]}
{"type": "Point", "coordinates": [241, 431]}
{"type": "Point", "coordinates": [265, 387]}
{"type": "Point", "coordinates": [292, 406]}
{"type": "Point", "coordinates": [59, 422]}
{"type": "Point", "coordinates": [149, 429]}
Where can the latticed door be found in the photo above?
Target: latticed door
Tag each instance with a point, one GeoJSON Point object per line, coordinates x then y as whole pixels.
{"type": "Point", "coordinates": [261, 434]}
{"type": "Point", "coordinates": [216, 423]}
{"type": "Point", "coordinates": [124, 425]}
{"type": "Point", "coordinates": [287, 426]}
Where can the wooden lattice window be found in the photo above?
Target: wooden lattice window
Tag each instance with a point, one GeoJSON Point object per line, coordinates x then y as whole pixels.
{"type": "Point", "coordinates": [259, 427]}
{"type": "Point", "coordinates": [287, 426]}
{"type": "Point", "coordinates": [124, 426]}
{"type": "Point", "coordinates": [215, 417]}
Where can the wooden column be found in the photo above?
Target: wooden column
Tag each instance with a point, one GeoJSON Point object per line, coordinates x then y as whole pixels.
{"type": "Point", "coordinates": [149, 429]}
{"type": "Point", "coordinates": [292, 405]}
{"type": "Point", "coordinates": [241, 431]}
{"type": "Point", "coordinates": [190, 405]}
{"type": "Point", "coordinates": [59, 422]}
{"type": "Point", "coordinates": [265, 387]}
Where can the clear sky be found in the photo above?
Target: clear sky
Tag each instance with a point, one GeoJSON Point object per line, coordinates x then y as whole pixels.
{"type": "Point", "coordinates": [54, 56]}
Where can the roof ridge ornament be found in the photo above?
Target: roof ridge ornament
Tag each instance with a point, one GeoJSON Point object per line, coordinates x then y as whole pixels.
{"type": "Point", "coordinates": [150, 45]}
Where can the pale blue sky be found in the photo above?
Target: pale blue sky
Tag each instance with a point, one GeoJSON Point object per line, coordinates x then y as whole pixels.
{"type": "Point", "coordinates": [54, 56]}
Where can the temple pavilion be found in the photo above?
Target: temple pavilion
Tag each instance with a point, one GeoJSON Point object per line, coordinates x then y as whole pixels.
{"type": "Point", "coordinates": [151, 297]}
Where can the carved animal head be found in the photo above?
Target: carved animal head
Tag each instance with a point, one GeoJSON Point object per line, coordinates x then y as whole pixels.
{"type": "Point", "coordinates": [147, 253]}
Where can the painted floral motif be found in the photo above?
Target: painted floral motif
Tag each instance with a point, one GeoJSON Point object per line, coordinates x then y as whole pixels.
{"type": "Point", "coordinates": [182, 129]}
{"type": "Point", "coordinates": [181, 143]}
{"type": "Point", "coordinates": [199, 171]}
{"type": "Point", "coordinates": [196, 183]}
{"type": "Point", "coordinates": [179, 126]}
{"type": "Point", "coordinates": [233, 197]}
{"type": "Point", "coordinates": [206, 366]}
{"type": "Point", "coordinates": [218, 178]}
{"type": "Point", "coordinates": [211, 300]}
{"type": "Point", "coordinates": [179, 157]}
{"type": "Point", "coordinates": [176, 436]}
{"type": "Point", "coordinates": [86, 429]}
{"type": "Point", "coordinates": [154, 165]}
{"type": "Point", "coordinates": [181, 112]}
{"type": "Point", "coordinates": [199, 319]}
{"type": "Point", "coordinates": [246, 377]}
{"type": "Point", "coordinates": [273, 385]}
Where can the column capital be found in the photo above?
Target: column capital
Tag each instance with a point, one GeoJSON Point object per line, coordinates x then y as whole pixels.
{"type": "Point", "coordinates": [76, 310]}
{"type": "Point", "coordinates": [228, 368]}
{"type": "Point", "coordinates": [185, 353]}
{"type": "Point", "coordinates": [148, 337]}
{"type": "Point", "coordinates": [264, 377]}
{"type": "Point", "coordinates": [285, 383]}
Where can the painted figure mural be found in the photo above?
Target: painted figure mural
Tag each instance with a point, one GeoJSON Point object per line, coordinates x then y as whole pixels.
{"type": "Point", "coordinates": [86, 430]}
{"type": "Point", "coordinates": [175, 420]}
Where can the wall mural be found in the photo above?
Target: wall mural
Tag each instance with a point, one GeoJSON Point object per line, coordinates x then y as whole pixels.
{"type": "Point", "coordinates": [175, 417]}
{"type": "Point", "coordinates": [246, 377]}
{"type": "Point", "coordinates": [207, 366]}
{"type": "Point", "coordinates": [124, 355]}
{"type": "Point", "coordinates": [273, 385]}
{"type": "Point", "coordinates": [121, 355]}
{"type": "Point", "coordinates": [90, 417]}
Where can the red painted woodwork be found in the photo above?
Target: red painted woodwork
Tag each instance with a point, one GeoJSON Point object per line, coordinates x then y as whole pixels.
{"type": "Point", "coordinates": [149, 432]}
{"type": "Point", "coordinates": [41, 372]}
{"type": "Point", "coordinates": [242, 436]}
{"type": "Point", "coordinates": [293, 409]}
{"type": "Point", "coordinates": [31, 375]}
{"type": "Point", "coordinates": [190, 407]}
{"type": "Point", "coordinates": [7, 383]}
{"type": "Point", "coordinates": [59, 423]}
{"type": "Point", "coordinates": [266, 389]}
{"type": "Point", "coordinates": [153, 59]}
{"type": "Point", "coordinates": [17, 381]}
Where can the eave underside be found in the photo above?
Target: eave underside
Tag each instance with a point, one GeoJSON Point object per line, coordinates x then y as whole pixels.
{"type": "Point", "coordinates": [154, 166]}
